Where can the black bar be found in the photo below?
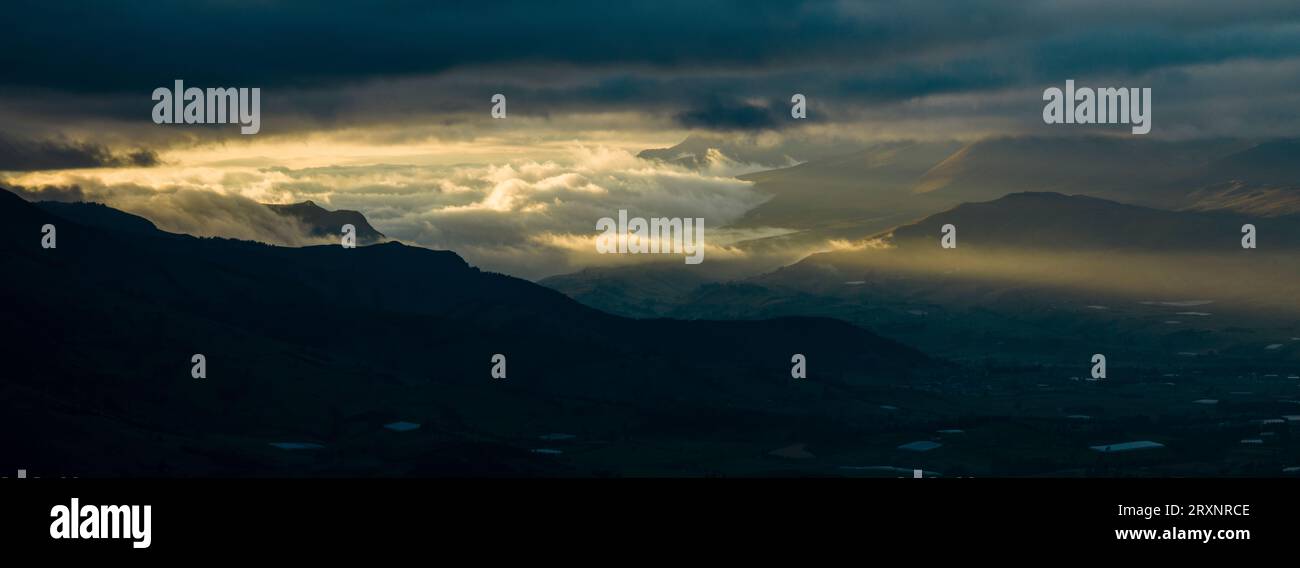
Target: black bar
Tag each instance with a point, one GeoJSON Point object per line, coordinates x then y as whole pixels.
{"type": "Point", "coordinates": [461, 516]}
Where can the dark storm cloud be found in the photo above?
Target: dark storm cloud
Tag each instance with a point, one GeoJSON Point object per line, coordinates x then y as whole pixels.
{"type": "Point", "coordinates": [31, 155]}
{"type": "Point", "coordinates": [698, 64]}
{"type": "Point", "coordinates": [131, 45]}
{"type": "Point", "coordinates": [1134, 48]}
{"type": "Point", "coordinates": [722, 114]}
{"type": "Point", "coordinates": [99, 46]}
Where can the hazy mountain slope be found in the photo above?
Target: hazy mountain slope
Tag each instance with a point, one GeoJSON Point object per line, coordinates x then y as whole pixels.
{"type": "Point", "coordinates": [1077, 223]}
{"type": "Point", "coordinates": [1124, 169]}
{"type": "Point", "coordinates": [866, 190]}
{"type": "Point", "coordinates": [1274, 162]}
{"type": "Point", "coordinates": [851, 195]}
{"type": "Point", "coordinates": [1089, 243]}
{"type": "Point", "coordinates": [1262, 180]}
{"type": "Point", "coordinates": [1252, 199]}
{"type": "Point", "coordinates": [892, 183]}
{"type": "Point", "coordinates": [1031, 258]}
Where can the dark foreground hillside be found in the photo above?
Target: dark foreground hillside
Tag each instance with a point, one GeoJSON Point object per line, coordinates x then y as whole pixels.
{"type": "Point", "coordinates": [339, 353]}
{"type": "Point", "coordinates": [376, 361]}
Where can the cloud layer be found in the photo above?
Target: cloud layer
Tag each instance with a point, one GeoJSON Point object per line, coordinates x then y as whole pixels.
{"type": "Point", "coordinates": [21, 155]}
{"type": "Point", "coordinates": [526, 217]}
{"type": "Point", "coordinates": [186, 210]}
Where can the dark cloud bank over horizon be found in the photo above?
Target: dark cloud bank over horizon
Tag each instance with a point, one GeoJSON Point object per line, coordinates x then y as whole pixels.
{"type": "Point", "coordinates": [699, 66]}
{"type": "Point", "coordinates": [20, 155]}
{"type": "Point", "coordinates": [115, 47]}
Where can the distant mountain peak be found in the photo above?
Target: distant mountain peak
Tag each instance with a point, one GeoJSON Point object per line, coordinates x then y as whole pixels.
{"type": "Point", "coordinates": [321, 222]}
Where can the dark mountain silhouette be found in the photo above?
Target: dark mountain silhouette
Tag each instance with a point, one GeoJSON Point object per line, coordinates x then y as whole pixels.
{"type": "Point", "coordinates": [324, 345]}
{"type": "Point", "coordinates": [100, 216]}
{"type": "Point", "coordinates": [321, 222]}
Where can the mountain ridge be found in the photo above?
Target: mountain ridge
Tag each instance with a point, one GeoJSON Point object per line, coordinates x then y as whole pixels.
{"type": "Point", "coordinates": [321, 222]}
{"type": "Point", "coordinates": [325, 344]}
